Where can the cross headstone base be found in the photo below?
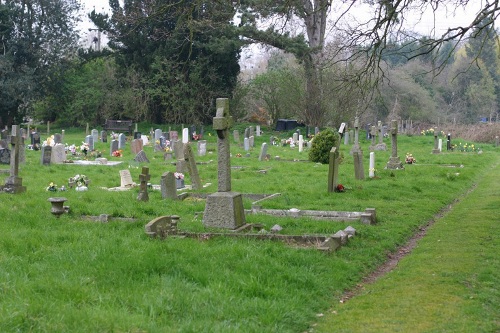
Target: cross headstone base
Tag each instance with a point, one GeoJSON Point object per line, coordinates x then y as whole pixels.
{"type": "Point", "coordinates": [436, 151]}
{"type": "Point", "coordinates": [224, 210]}
{"type": "Point", "coordinates": [394, 163]}
{"type": "Point", "coordinates": [14, 185]}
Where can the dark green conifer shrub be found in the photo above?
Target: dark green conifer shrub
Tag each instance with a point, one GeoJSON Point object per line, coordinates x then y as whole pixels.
{"type": "Point", "coordinates": [322, 144]}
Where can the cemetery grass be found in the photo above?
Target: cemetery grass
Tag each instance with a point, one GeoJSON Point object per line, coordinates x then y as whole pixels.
{"type": "Point", "coordinates": [447, 284]}
{"type": "Point", "coordinates": [71, 274]}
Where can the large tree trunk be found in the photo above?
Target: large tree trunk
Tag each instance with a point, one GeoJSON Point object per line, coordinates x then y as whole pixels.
{"type": "Point", "coordinates": [314, 114]}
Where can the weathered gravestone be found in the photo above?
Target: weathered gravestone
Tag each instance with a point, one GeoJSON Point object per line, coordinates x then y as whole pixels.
{"type": "Point", "coordinates": [436, 143]}
{"type": "Point", "coordinates": [333, 169]}
{"type": "Point", "coordinates": [89, 139]}
{"type": "Point", "coordinates": [246, 144]}
{"type": "Point", "coordinates": [95, 135]}
{"type": "Point", "coordinates": [373, 135]}
{"type": "Point", "coordinates": [35, 140]}
{"type": "Point", "coordinates": [141, 157]}
{"type": "Point", "coordinates": [58, 154]}
{"type": "Point", "coordinates": [4, 155]}
{"type": "Point", "coordinates": [113, 147]}
{"type": "Point", "coordinates": [162, 226]}
{"type": "Point", "coordinates": [356, 146]}
{"type": "Point", "coordinates": [251, 141]}
{"type": "Point", "coordinates": [126, 179]}
{"type": "Point", "coordinates": [263, 152]}
{"type": "Point", "coordinates": [359, 170]}
{"type": "Point", "coordinates": [174, 136]}
{"type": "Point", "coordinates": [168, 186]}
{"type": "Point", "coordinates": [143, 187]}
{"type": "Point", "coordinates": [394, 161]}
{"type": "Point", "coordinates": [104, 136]}
{"type": "Point", "coordinates": [136, 146]}
{"type": "Point", "coordinates": [180, 164]}
{"type": "Point", "coordinates": [202, 147]}
{"type": "Point", "coordinates": [381, 145]}
{"type": "Point", "coordinates": [191, 166]}
{"type": "Point", "coordinates": [158, 134]}
{"type": "Point", "coordinates": [223, 209]}
{"type": "Point", "coordinates": [14, 183]}
{"type": "Point", "coordinates": [46, 155]}
{"type": "Point", "coordinates": [58, 138]}
{"type": "Point", "coordinates": [236, 136]}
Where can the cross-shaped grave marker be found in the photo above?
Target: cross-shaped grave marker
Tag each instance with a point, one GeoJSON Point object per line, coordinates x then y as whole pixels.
{"type": "Point", "coordinates": [143, 187]}
{"type": "Point", "coordinates": [224, 209]}
{"type": "Point", "coordinates": [14, 184]}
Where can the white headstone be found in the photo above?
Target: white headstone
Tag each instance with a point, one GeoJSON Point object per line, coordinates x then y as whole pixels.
{"type": "Point", "coordinates": [122, 139]}
{"type": "Point", "coordinates": [301, 143]}
{"type": "Point", "coordinates": [257, 130]}
{"type": "Point", "coordinates": [185, 135]}
{"type": "Point", "coordinates": [440, 144]}
{"type": "Point", "coordinates": [246, 144]}
{"type": "Point", "coordinates": [372, 165]}
{"type": "Point", "coordinates": [145, 140]}
{"type": "Point", "coordinates": [158, 134]}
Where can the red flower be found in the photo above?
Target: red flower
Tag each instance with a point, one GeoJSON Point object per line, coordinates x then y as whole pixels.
{"type": "Point", "coordinates": [340, 188]}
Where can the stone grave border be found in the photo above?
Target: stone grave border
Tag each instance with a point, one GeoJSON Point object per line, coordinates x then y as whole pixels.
{"type": "Point", "coordinates": [166, 226]}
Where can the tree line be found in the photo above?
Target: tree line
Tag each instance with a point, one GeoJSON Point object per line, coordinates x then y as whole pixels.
{"type": "Point", "coordinates": [167, 62]}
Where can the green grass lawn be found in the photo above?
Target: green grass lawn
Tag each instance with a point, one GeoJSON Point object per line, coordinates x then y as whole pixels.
{"type": "Point", "coordinates": [72, 275]}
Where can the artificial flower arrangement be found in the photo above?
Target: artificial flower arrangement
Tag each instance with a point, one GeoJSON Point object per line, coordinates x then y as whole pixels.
{"type": "Point", "coordinates": [49, 142]}
{"type": "Point", "coordinates": [84, 148]}
{"type": "Point", "coordinates": [117, 153]}
{"type": "Point", "coordinates": [79, 180]}
{"type": "Point", "coordinates": [71, 149]}
{"type": "Point", "coordinates": [52, 187]}
{"type": "Point", "coordinates": [196, 137]}
{"type": "Point", "coordinates": [410, 159]}
{"type": "Point", "coordinates": [178, 175]}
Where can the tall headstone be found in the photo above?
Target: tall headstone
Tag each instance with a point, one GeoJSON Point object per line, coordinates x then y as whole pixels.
{"type": "Point", "coordinates": [440, 145]}
{"type": "Point", "coordinates": [394, 161]}
{"type": "Point", "coordinates": [174, 136]}
{"type": "Point", "coordinates": [247, 132]}
{"type": "Point", "coordinates": [122, 139]}
{"type": "Point", "coordinates": [180, 164]}
{"type": "Point", "coordinates": [373, 135]}
{"type": "Point", "coordinates": [143, 187]}
{"type": "Point", "coordinates": [95, 135]}
{"type": "Point", "coordinates": [202, 147]}
{"type": "Point", "coordinates": [251, 131]}
{"type": "Point", "coordinates": [104, 136]}
{"type": "Point", "coordinates": [185, 135]}
{"type": "Point", "coordinates": [90, 140]}
{"type": "Point", "coordinates": [263, 152]}
{"type": "Point", "coordinates": [113, 147]}
{"type": "Point", "coordinates": [359, 170]}
{"type": "Point", "coordinates": [448, 142]}
{"type": "Point", "coordinates": [257, 130]}
{"type": "Point", "coordinates": [63, 132]}
{"type": "Point", "coordinates": [246, 144]}
{"type": "Point", "coordinates": [191, 166]}
{"type": "Point", "coordinates": [223, 209]}
{"type": "Point", "coordinates": [295, 137]}
{"type": "Point", "coordinates": [14, 183]}
{"type": "Point", "coordinates": [251, 141]}
{"type": "Point", "coordinates": [236, 136]}
{"type": "Point", "coordinates": [168, 186]}
{"type": "Point", "coordinates": [301, 143]}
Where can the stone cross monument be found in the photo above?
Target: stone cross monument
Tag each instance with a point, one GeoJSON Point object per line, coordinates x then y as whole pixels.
{"type": "Point", "coordinates": [355, 147]}
{"type": "Point", "coordinates": [143, 189]}
{"type": "Point", "coordinates": [14, 184]}
{"type": "Point", "coordinates": [223, 209]}
{"type": "Point", "coordinates": [394, 161]}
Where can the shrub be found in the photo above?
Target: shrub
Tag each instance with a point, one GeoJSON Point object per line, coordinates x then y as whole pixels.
{"type": "Point", "coordinates": [322, 144]}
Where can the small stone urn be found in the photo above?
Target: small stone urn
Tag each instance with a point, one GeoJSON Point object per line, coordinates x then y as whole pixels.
{"type": "Point", "coordinates": [58, 207]}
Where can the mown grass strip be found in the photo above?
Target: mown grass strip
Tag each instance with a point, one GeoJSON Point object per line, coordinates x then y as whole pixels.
{"type": "Point", "coordinates": [449, 283]}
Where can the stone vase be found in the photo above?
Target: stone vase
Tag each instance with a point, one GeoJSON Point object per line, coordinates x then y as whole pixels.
{"type": "Point", "coordinates": [57, 206]}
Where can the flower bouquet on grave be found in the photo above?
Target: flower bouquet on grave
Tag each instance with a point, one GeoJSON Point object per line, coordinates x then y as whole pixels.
{"type": "Point", "coordinates": [52, 187]}
{"type": "Point", "coordinates": [410, 159]}
{"type": "Point", "coordinates": [96, 154]}
{"type": "Point", "coordinates": [49, 142]}
{"type": "Point", "coordinates": [117, 153]}
{"type": "Point", "coordinates": [80, 181]}
{"type": "Point", "coordinates": [339, 188]}
{"type": "Point", "coordinates": [196, 137]}
{"type": "Point", "coordinates": [84, 148]}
